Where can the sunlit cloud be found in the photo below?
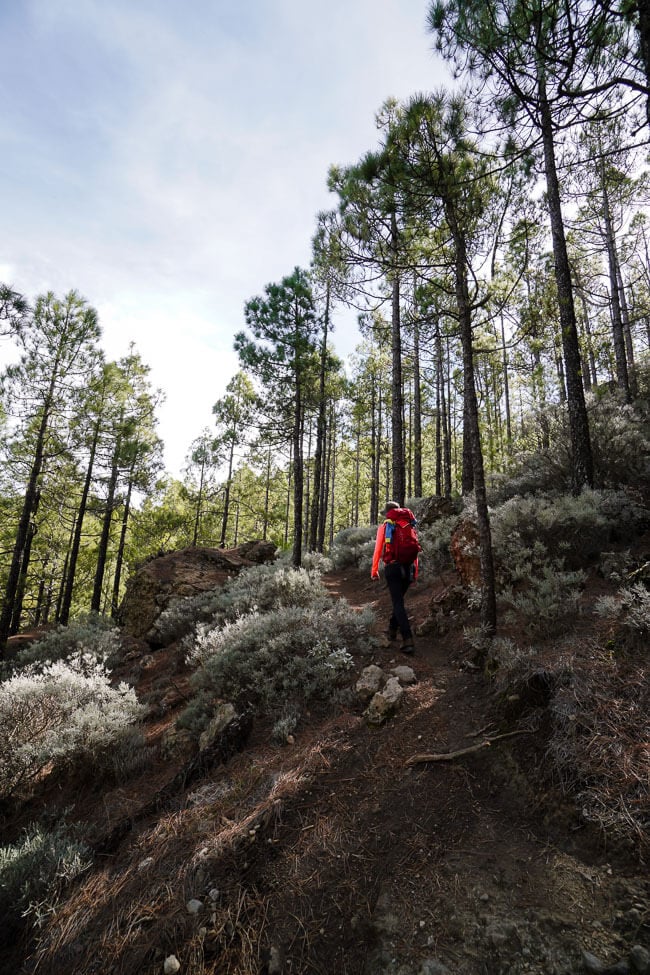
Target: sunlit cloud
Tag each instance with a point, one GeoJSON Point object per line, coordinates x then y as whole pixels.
{"type": "Point", "coordinates": [168, 161]}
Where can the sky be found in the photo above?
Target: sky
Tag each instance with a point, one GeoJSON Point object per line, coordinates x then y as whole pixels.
{"type": "Point", "coordinates": [167, 159]}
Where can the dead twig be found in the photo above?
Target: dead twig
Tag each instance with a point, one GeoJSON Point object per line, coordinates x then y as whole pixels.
{"type": "Point", "coordinates": [451, 756]}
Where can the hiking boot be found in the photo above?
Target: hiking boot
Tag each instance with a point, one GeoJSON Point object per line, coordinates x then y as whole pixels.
{"type": "Point", "coordinates": [391, 633]}
{"type": "Point", "coordinates": [407, 645]}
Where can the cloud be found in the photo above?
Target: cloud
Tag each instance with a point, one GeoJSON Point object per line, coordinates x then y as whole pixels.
{"type": "Point", "coordinates": [168, 160]}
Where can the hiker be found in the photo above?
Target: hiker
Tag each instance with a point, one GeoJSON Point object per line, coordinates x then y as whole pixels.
{"type": "Point", "coordinates": [398, 547]}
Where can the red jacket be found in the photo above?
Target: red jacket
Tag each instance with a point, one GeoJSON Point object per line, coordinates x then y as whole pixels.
{"type": "Point", "coordinates": [402, 515]}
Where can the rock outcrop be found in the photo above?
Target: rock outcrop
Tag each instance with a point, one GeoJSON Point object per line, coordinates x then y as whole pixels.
{"type": "Point", "coordinates": [435, 507]}
{"type": "Point", "coordinates": [181, 574]}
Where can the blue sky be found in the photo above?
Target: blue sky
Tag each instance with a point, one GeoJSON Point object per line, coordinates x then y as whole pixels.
{"type": "Point", "coordinates": [167, 159]}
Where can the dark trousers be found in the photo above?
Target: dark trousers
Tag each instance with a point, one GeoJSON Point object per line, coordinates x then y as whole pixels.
{"type": "Point", "coordinates": [398, 579]}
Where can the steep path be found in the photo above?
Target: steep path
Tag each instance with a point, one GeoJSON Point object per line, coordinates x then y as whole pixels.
{"type": "Point", "coordinates": [333, 856]}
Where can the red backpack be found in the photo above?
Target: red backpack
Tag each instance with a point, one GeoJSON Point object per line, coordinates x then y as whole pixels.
{"type": "Point", "coordinates": [401, 537]}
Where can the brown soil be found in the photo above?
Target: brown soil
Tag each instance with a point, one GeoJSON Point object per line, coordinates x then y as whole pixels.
{"type": "Point", "coordinates": [333, 854]}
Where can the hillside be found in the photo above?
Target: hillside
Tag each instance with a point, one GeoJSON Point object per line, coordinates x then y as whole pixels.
{"type": "Point", "coordinates": [335, 853]}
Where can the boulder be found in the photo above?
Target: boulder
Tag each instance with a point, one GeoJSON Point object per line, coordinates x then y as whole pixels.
{"type": "Point", "coordinates": [177, 575]}
{"type": "Point", "coordinates": [445, 610]}
{"type": "Point", "coordinates": [369, 682]}
{"type": "Point", "coordinates": [405, 675]}
{"type": "Point", "coordinates": [435, 507]}
{"type": "Point", "coordinates": [385, 703]}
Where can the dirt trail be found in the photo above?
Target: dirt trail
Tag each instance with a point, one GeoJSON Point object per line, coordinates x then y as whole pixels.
{"type": "Point", "coordinates": [333, 855]}
{"type": "Point", "coordinates": [468, 865]}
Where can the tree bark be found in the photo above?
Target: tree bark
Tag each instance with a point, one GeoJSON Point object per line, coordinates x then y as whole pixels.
{"type": "Point", "coordinates": [66, 603]}
{"type": "Point", "coordinates": [102, 553]}
{"type": "Point", "coordinates": [583, 470]}
{"type": "Point", "coordinates": [615, 303]}
{"type": "Point", "coordinates": [24, 569]}
{"type": "Point", "coordinates": [22, 533]}
{"type": "Point", "coordinates": [472, 429]}
{"type": "Point", "coordinates": [417, 415]}
{"type": "Point", "coordinates": [119, 559]}
{"type": "Point", "coordinates": [321, 432]}
{"type": "Point", "coordinates": [397, 412]}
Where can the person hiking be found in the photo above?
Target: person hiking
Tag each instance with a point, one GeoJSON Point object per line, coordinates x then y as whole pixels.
{"type": "Point", "coordinates": [397, 546]}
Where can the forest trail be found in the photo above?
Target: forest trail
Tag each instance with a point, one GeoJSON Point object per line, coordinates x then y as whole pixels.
{"type": "Point", "coordinates": [472, 867]}
{"type": "Point", "coordinates": [332, 855]}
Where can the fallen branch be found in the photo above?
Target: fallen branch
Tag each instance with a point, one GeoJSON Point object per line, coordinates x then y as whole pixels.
{"type": "Point", "coordinates": [450, 756]}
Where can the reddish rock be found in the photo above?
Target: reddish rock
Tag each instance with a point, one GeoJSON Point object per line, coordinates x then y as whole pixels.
{"type": "Point", "coordinates": [187, 572]}
{"type": "Point", "coordinates": [465, 551]}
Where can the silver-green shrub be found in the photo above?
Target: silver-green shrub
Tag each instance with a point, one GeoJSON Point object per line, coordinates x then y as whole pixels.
{"type": "Point", "coordinates": [317, 562]}
{"type": "Point", "coordinates": [353, 547]}
{"type": "Point", "coordinates": [279, 662]}
{"type": "Point", "coordinates": [435, 541]}
{"type": "Point", "coordinates": [59, 713]}
{"type": "Point", "coordinates": [90, 635]}
{"type": "Point", "coordinates": [546, 601]}
{"type": "Point", "coordinates": [619, 440]}
{"type": "Point", "coordinates": [572, 527]}
{"type": "Point", "coordinates": [260, 587]}
{"type": "Point", "coordinates": [34, 871]}
{"type": "Point", "coordinates": [539, 545]}
{"type": "Point", "coordinates": [630, 609]}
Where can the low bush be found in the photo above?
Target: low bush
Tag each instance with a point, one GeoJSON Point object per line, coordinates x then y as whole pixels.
{"type": "Point", "coordinates": [435, 540]}
{"type": "Point", "coordinates": [35, 870]}
{"type": "Point", "coordinates": [599, 718]}
{"type": "Point", "coordinates": [570, 527]}
{"type": "Point", "coordinates": [91, 635]}
{"type": "Point", "coordinates": [276, 663]}
{"type": "Point", "coordinates": [317, 562]}
{"type": "Point", "coordinates": [545, 602]}
{"type": "Point", "coordinates": [629, 610]}
{"type": "Point", "coordinates": [353, 547]}
{"type": "Point", "coordinates": [261, 587]}
{"type": "Point", "coordinates": [57, 714]}
{"type": "Point", "coordinates": [619, 440]}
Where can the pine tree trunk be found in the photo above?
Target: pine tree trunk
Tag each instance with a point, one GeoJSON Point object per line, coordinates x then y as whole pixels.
{"type": "Point", "coordinates": [397, 413]}
{"type": "Point", "coordinates": [438, 447]}
{"type": "Point", "coordinates": [446, 419]}
{"type": "Point", "coordinates": [226, 497]}
{"type": "Point", "coordinates": [417, 415]}
{"type": "Point", "coordinates": [472, 429]}
{"type": "Point", "coordinates": [115, 599]}
{"type": "Point", "coordinates": [332, 493]}
{"type": "Point", "coordinates": [377, 468]}
{"type": "Point", "coordinates": [24, 569]}
{"type": "Point", "coordinates": [23, 530]}
{"type": "Point", "coordinates": [298, 474]}
{"type": "Point", "coordinates": [583, 472]}
{"type": "Point", "coordinates": [66, 603]}
{"type": "Point", "coordinates": [102, 553]}
{"type": "Point", "coordinates": [615, 303]}
{"type": "Point", "coordinates": [374, 496]}
{"type": "Point", "coordinates": [506, 386]}
{"type": "Point", "coordinates": [627, 332]}
{"type": "Point", "coordinates": [287, 512]}
{"type": "Point", "coordinates": [307, 491]}
{"type": "Point", "coordinates": [321, 433]}
{"type": "Point", "coordinates": [267, 495]}
{"type": "Point", "coordinates": [643, 9]}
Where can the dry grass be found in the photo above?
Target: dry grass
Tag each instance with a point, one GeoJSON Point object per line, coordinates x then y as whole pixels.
{"type": "Point", "coordinates": [601, 741]}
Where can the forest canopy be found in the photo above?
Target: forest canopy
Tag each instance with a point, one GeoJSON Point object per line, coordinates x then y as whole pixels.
{"type": "Point", "coordinates": [494, 245]}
